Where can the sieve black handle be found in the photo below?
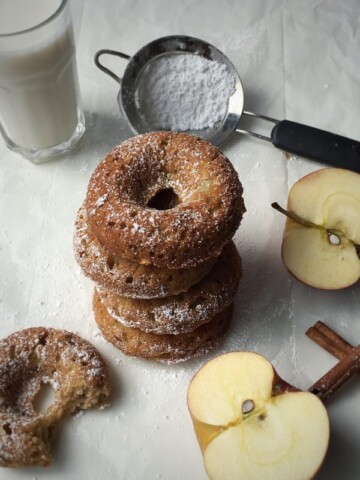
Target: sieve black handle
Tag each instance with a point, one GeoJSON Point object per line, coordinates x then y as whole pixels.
{"type": "Point", "coordinates": [105, 69]}
{"type": "Point", "coordinates": [316, 144]}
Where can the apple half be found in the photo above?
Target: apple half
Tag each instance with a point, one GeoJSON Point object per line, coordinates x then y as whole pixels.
{"type": "Point", "coordinates": [321, 241]}
{"type": "Point", "coordinates": [252, 425]}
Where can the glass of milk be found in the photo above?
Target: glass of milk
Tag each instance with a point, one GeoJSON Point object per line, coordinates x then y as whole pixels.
{"type": "Point", "coordinates": [40, 112]}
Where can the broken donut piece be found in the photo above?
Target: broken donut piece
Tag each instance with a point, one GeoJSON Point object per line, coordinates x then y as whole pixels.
{"type": "Point", "coordinates": [30, 360]}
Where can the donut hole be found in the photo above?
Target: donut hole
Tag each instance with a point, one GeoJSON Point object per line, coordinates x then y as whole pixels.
{"type": "Point", "coordinates": [134, 248]}
{"type": "Point", "coordinates": [198, 301]}
{"type": "Point", "coordinates": [44, 398]}
{"type": "Point", "coordinates": [110, 261]}
{"type": "Point", "coordinates": [164, 199]}
{"type": "Point", "coordinates": [129, 279]}
{"type": "Point", "coordinates": [42, 340]}
{"type": "Point", "coordinates": [7, 429]}
{"type": "Point", "coordinates": [12, 352]}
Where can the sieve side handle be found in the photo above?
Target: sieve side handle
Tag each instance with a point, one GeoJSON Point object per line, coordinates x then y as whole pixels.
{"type": "Point", "coordinates": [319, 145]}
{"type": "Point", "coordinates": [105, 69]}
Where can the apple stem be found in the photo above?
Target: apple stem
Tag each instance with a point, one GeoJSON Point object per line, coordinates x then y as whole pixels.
{"type": "Point", "coordinates": [333, 240]}
{"type": "Point", "coordinates": [294, 217]}
{"type": "Point", "coordinates": [343, 370]}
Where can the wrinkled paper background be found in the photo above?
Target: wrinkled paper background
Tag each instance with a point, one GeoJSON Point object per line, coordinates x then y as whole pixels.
{"type": "Point", "coordinates": [297, 60]}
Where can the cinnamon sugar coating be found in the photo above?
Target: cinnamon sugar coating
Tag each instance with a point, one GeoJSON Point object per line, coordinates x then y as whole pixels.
{"type": "Point", "coordinates": [29, 359]}
{"type": "Point", "coordinates": [181, 313]}
{"type": "Point", "coordinates": [126, 278]}
{"type": "Point", "coordinates": [167, 348]}
{"type": "Point", "coordinates": [164, 198]}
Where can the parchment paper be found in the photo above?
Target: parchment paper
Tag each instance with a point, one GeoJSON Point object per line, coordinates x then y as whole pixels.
{"type": "Point", "coordinates": [297, 60]}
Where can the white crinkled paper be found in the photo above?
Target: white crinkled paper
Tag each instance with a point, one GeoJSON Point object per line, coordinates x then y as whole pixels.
{"type": "Point", "coordinates": [297, 60]}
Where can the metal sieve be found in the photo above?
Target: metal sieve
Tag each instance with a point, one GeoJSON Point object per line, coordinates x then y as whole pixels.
{"type": "Point", "coordinates": [292, 137]}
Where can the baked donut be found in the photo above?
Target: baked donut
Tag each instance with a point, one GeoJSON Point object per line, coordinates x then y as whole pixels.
{"type": "Point", "coordinates": [28, 360]}
{"type": "Point", "coordinates": [165, 198]}
{"type": "Point", "coordinates": [167, 348]}
{"type": "Point", "coordinates": [127, 278]}
{"type": "Point", "coordinates": [185, 312]}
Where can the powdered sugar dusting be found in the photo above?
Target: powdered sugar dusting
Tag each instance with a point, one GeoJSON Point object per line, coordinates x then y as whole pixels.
{"type": "Point", "coordinates": [124, 277]}
{"type": "Point", "coordinates": [181, 313]}
{"type": "Point", "coordinates": [207, 214]}
{"type": "Point", "coordinates": [134, 342]}
{"type": "Point", "coordinates": [184, 92]}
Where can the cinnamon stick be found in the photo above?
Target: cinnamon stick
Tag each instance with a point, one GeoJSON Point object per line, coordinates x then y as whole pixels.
{"type": "Point", "coordinates": [329, 340]}
{"type": "Point", "coordinates": [349, 360]}
{"type": "Point", "coordinates": [337, 376]}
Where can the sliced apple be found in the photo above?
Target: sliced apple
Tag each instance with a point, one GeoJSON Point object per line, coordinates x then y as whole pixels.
{"type": "Point", "coordinates": [252, 425]}
{"type": "Point", "coordinates": [321, 242]}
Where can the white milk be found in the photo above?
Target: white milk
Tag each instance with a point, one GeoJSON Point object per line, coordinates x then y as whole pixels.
{"type": "Point", "coordinates": [38, 79]}
{"type": "Point", "coordinates": [20, 15]}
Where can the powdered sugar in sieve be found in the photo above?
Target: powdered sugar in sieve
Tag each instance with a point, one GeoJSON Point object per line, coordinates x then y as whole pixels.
{"type": "Point", "coordinates": [182, 91]}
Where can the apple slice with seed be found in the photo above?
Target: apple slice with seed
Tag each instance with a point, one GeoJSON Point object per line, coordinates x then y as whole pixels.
{"type": "Point", "coordinates": [252, 425]}
{"type": "Point", "coordinates": [321, 241]}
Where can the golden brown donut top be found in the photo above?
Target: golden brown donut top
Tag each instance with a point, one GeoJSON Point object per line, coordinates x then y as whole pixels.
{"type": "Point", "coordinates": [29, 359]}
{"type": "Point", "coordinates": [164, 198]}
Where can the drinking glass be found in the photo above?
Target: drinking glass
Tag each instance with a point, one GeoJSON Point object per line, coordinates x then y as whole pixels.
{"type": "Point", "coordinates": [40, 109]}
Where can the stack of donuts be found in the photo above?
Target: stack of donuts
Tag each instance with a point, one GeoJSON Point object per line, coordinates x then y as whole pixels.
{"type": "Point", "coordinates": [154, 234]}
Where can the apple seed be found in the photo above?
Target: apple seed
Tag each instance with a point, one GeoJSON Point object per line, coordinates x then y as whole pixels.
{"type": "Point", "coordinates": [334, 239]}
{"type": "Point", "coordinates": [247, 406]}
